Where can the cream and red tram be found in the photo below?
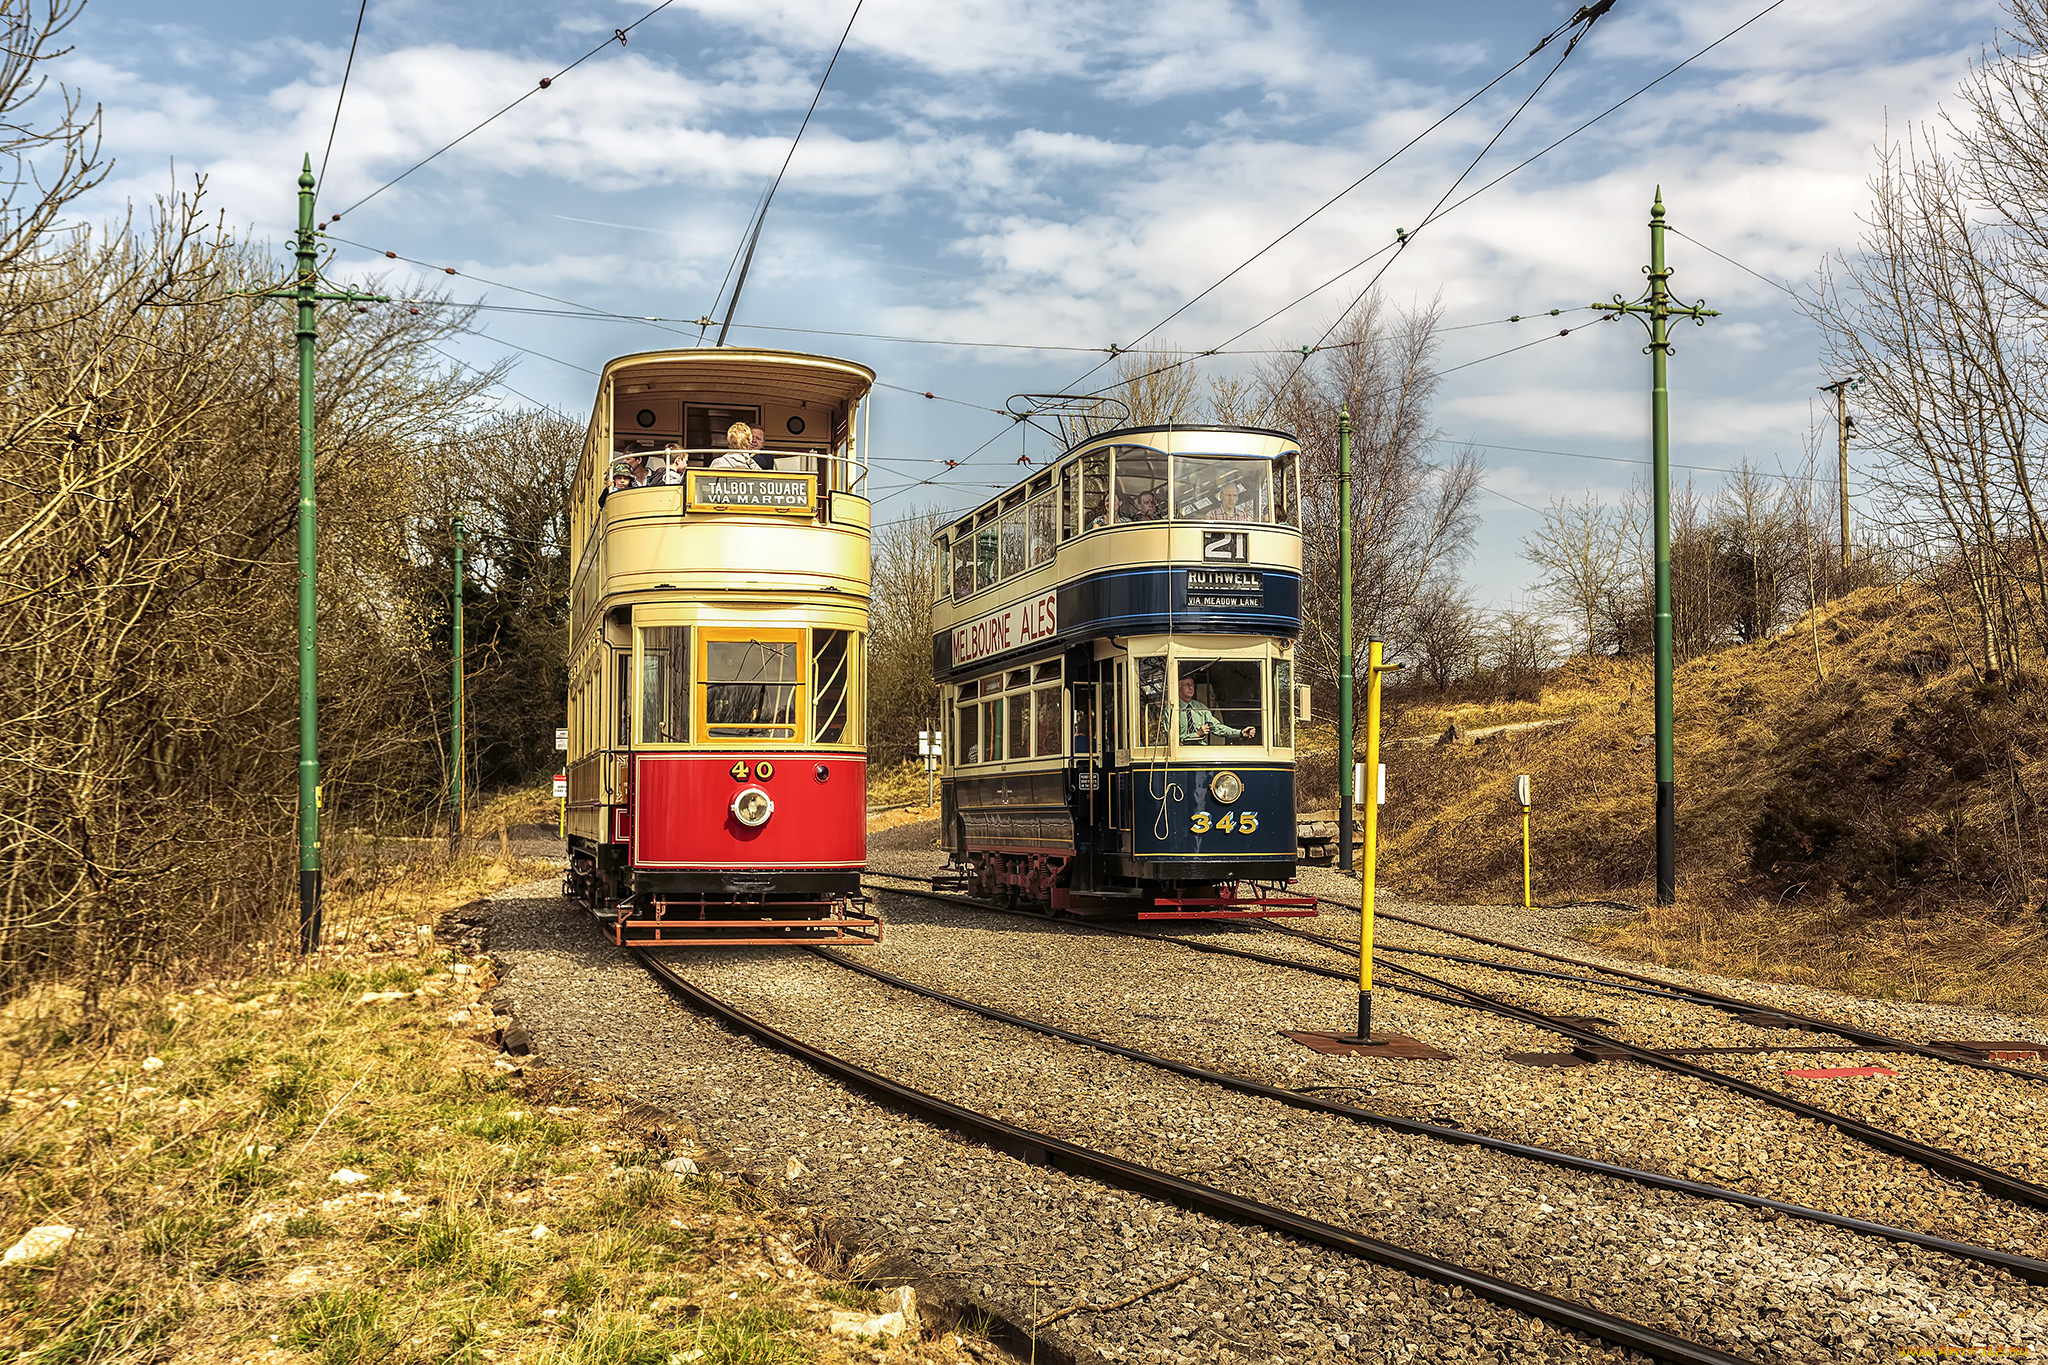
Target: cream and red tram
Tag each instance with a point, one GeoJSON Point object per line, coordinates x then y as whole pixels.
{"type": "Point", "coordinates": [1114, 640]}
{"type": "Point", "coordinates": [719, 611]}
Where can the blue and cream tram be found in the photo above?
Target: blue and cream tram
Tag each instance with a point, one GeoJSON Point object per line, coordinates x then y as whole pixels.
{"type": "Point", "coordinates": [1114, 641]}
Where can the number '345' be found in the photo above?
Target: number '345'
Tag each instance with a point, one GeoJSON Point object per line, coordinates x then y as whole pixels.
{"type": "Point", "coordinates": [1233, 822]}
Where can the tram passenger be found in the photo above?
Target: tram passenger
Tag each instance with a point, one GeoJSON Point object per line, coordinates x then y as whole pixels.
{"type": "Point", "coordinates": [1146, 507]}
{"type": "Point", "coordinates": [1231, 509]}
{"type": "Point", "coordinates": [659, 472]}
{"type": "Point", "coordinates": [739, 448]}
{"type": "Point", "coordinates": [1199, 725]}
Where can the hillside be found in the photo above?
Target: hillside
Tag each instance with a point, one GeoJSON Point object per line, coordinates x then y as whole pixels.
{"type": "Point", "coordinates": [1855, 807]}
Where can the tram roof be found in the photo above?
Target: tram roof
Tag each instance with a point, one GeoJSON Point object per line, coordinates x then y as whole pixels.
{"type": "Point", "coordinates": [792, 374]}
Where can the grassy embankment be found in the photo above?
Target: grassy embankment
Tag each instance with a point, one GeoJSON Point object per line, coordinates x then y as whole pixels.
{"type": "Point", "coordinates": [319, 1162]}
{"type": "Point", "coordinates": [1856, 809]}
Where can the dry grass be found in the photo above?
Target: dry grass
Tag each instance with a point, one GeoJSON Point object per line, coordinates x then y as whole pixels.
{"type": "Point", "coordinates": [192, 1136]}
{"type": "Point", "coordinates": [1868, 829]}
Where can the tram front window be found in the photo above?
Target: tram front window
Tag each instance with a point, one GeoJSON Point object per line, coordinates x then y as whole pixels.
{"type": "Point", "coordinates": [1220, 702]}
{"type": "Point", "coordinates": [1218, 488]}
{"type": "Point", "coordinates": [750, 689]}
{"type": "Point", "coordinates": [1140, 484]}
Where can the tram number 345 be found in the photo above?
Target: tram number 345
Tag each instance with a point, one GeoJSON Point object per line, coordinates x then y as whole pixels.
{"type": "Point", "coordinates": [1232, 822]}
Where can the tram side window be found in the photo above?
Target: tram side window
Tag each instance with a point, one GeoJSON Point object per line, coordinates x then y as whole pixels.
{"type": "Point", "coordinates": [665, 685]}
{"type": "Point", "coordinates": [1020, 724]}
{"type": "Point", "coordinates": [1094, 489]}
{"type": "Point", "coordinates": [832, 686]}
{"type": "Point", "coordinates": [750, 688]}
{"type": "Point", "coordinates": [1282, 711]}
{"type": "Point", "coordinates": [963, 564]}
{"type": "Point", "coordinates": [967, 745]}
{"type": "Point", "coordinates": [1044, 513]}
{"type": "Point", "coordinates": [1013, 542]}
{"type": "Point", "coordinates": [1287, 474]}
{"type": "Point", "coordinates": [1213, 488]}
{"type": "Point", "coordinates": [1048, 712]}
{"type": "Point", "coordinates": [985, 551]}
{"type": "Point", "coordinates": [1152, 701]}
{"type": "Point", "coordinates": [1070, 500]}
{"type": "Point", "coordinates": [992, 730]}
{"type": "Point", "coordinates": [1220, 703]}
{"type": "Point", "coordinates": [625, 699]}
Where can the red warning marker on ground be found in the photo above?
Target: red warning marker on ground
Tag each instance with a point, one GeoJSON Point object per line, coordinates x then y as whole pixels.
{"type": "Point", "coordinates": [1829, 1073]}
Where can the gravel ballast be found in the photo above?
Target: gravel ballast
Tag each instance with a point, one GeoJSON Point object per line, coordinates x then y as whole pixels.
{"type": "Point", "coordinates": [1029, 1240]}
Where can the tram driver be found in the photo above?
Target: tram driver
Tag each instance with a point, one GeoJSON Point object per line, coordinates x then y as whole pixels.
{"type": "Point", "coordinates": [1199, 725]}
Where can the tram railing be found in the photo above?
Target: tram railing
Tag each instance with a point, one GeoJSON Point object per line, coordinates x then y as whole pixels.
{"type": "Point", "coordinates": [668, 464]}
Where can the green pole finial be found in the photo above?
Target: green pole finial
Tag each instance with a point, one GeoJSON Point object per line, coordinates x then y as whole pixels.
{"type": "Point", "coordinates": [1657, 203]}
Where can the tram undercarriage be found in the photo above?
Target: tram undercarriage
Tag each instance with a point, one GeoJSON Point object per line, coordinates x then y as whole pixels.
{"type": "Point", "coordinates": [736, 909]}
{"type": "Point", "coordinates": [1044, 881]}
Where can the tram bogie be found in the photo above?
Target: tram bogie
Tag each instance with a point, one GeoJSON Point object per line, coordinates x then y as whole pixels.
{"type": "Point", "coordinates": [717, 777]}
{"type": "Point", "coordinates": [1115, 644]}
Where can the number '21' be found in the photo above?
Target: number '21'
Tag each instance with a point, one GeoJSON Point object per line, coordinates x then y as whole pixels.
{"type": "Point", "coordinates": [1231, 823]}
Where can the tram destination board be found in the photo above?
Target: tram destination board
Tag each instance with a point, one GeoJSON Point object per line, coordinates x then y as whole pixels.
{"type": "Point", "coordinates": [1226, 589]}
{"type": "Point", "coordinates": [715, 490]}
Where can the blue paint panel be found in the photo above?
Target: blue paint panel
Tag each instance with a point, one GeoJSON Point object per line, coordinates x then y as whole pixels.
{"type": "Point", "coordinates": [1169, 800]}
{"type": "Point", "coordinates": [1261, 601]}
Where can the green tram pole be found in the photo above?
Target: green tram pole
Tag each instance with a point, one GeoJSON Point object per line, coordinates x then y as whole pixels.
{"type": "Point", "coordinates": [305, 292]}
{"type": "Point", "coordinates": [1345, 732]}
{"type": "Point", "coordinates": [455, 711]}
{"type": "Point", "coordinates": [1657, 310]}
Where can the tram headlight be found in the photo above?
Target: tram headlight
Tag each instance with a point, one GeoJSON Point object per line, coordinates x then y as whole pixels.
{"type": "Point", "coordinates": [1226, 787]}
{"type": "Point", "coordinates": [752, 807]}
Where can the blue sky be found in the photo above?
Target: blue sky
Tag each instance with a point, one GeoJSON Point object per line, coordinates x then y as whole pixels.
{"type": "Point", "coordinates": [1065, 174]}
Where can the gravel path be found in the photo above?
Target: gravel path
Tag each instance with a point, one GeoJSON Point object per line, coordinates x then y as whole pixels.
{"type": "Point", "coordinates": [1026, 1240]}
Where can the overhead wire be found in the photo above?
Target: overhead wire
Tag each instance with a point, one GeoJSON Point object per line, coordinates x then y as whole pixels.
{"type": "Point", "coordinates": [761, 217]}
{"type": "Point", "coordinates": [1554, 336]}
{"type": "Point", "coordinates": [1519, 166]}
{"type": "Point", "coordinates": [618, 36]}
{"type": "Point", "coordinates": [1461, 106]}
{"type": "Point", "coordinates": [320, 182]}
{"type": "Point", "coordinates": [1778, 285]}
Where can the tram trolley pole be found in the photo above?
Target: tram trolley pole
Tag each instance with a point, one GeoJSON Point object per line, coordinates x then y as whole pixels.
{"type": "Point", "coordinates": [305, 293]}
{"type": "Point", "coordinates": [1656, 311]}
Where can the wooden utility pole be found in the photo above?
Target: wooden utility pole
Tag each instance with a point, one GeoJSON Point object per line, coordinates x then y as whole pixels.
{"type": "Point", "coordinates": [1840, 389]}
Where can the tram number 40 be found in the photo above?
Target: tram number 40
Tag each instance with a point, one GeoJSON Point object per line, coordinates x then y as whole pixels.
{"type": "Point", "coordinates": [762, 770]}
{"type": "Point", "coordinates": [1231, 823]}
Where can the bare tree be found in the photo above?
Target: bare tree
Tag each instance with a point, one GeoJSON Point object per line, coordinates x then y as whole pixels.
{"type": "Point", "coordinates": [1582, 554]}
{"type": "Point", "coordinates": [903, 695]}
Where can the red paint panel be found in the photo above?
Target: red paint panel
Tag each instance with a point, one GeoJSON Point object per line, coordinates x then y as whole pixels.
{"type": "Point", "coordinates": [1829, 1073]}
{"type": "Point", "coordinates": [682, 811]}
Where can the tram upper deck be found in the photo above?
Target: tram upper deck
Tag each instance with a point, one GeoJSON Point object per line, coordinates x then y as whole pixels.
{"type": "Point", "coordinates": [1148, 530]}
{"type": "Point", "coordinates": [727, 470]}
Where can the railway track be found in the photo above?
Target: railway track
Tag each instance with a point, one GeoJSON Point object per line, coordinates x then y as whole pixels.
{"type": "Point", "coordinates": [1951, 1165]}
{"type": "Point", "coordinates": [1039, 1148]}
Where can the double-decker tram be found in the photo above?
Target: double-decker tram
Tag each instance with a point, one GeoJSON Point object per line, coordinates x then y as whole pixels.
{"type": "Point", "coordinates": [1114, 639]}
{"type": "Point", "coordinates": [719, 609]}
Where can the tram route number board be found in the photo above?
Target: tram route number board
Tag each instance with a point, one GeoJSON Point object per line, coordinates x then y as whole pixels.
{"type": "Point", "coordinates": [714, 490]}
{"type": "Point", "coordinates": [1011, 627]}
{"type": "Point", "coordinates": [1226, 589]}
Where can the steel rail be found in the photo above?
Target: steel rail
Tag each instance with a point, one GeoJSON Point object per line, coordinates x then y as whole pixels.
{"type": "Point", "coordinates": [1815, 1023]}
{"type": "Point", "coordinates": [1041, 1149]}
{"type": "Point", "coordinates": [2022, 1267]}
{"type": "Point", "coordinates": [1950, 1164]}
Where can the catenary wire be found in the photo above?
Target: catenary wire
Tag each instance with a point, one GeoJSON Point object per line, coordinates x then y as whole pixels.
{"type": "Point", "coordinates": [1514, 169]}
{"type": "Point", "coordinates": [1778, 285]}
{"type": "Point", "coordinates": [618, 36]}
{"type": "Point", "coordinates": [320, 182]}
{"type": "Point", "coordinates": [761, 218]}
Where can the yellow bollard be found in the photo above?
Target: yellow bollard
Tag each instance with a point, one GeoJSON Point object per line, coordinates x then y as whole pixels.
{"type": "Point", "coordinates": [1522, 795]}
{"type": "Point", "coordinates": [1375, 668]}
